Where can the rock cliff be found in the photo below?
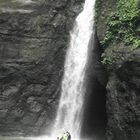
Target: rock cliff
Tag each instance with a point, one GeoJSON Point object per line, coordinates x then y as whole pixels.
{"type": "Point", "coordinates": [118, 25]}
{"type": "Point", "coordinates": [34, 36]}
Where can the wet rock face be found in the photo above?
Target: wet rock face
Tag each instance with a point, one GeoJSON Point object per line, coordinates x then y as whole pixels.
{"type": "Point", "coordinates": [123, 87]}
{"type": "Point", "coordinates": [94, 114]}
{"type": "Point", "coordinates": [123, 102]}
{"type": "Point", "coordinates": [32, 53]}
{"type": "Point", "coordinates": [123, 98]}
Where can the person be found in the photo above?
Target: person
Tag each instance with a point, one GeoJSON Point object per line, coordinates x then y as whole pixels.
{"type": "Point", "coordinates": [66, 136]}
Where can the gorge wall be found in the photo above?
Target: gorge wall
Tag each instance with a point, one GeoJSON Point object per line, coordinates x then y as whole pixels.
{"type": "Point", "coordinates": [95, 118]}
{"type": "Point", "coordinates": [33, 41]}
{"type": "Point", "coordinates": [118, 27]}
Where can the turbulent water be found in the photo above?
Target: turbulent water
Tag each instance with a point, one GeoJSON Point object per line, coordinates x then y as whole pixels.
{"type": "Point", "coordinates": [69, 115]}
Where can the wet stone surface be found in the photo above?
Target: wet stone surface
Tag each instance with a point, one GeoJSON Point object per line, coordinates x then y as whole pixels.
{"type": "Point", "coordinates": [33, 41]}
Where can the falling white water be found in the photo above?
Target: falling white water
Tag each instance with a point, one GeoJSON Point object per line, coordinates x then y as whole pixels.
{"type": "Point", "coordinates": [70, 108]}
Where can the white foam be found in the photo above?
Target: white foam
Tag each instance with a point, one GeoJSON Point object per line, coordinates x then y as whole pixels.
{"type": "Point", "coordinates": [46, 138]}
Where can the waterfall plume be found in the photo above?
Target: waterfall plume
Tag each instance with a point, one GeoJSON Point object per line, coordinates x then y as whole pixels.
{"type": "Point", "coordinates": [69, 114]}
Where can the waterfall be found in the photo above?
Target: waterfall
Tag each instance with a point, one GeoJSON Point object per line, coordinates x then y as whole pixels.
{"type": "Point", "coordinates": [69, 113]}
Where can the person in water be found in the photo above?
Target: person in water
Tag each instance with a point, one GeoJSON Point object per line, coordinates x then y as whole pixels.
{"type": "Point", "coordinates": [66, 136]}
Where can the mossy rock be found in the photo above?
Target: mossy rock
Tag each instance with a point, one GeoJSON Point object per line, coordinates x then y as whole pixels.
{"type": "Point", "coordinates": [122, 24]}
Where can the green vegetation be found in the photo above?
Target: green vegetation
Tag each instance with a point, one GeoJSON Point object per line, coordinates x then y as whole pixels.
{"type": "Point", "coordinates": [122, 24]}
{"type": "Point", "coordinates": [97, 5]}
{"type": "Point", "coordinates": [66, 40]}
{"type": "Point", "coordinates": [107, 60]}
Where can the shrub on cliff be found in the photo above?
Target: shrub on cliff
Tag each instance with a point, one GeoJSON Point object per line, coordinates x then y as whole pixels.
{"type": "Point", "coordinates": [122, 24]}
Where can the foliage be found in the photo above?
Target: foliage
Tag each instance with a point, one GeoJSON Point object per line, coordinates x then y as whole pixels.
{"type": "Point", "coordinates": [97, 4]}
{"type": "Point", "coordinates": [122, 24]}
{"type": "Point", "coordinates": [65, 40]}
{"type": "Point", "coordinates": [107, 60]}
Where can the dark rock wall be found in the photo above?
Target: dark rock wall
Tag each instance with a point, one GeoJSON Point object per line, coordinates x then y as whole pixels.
{"type": "Point", "coordinates": [123, 87]}
{"type": "Point", "coordinates": [33, 45]}
{"type": "Point", "coordinates": [94, 118]}
{"type": "Point", "coordinates": [32, 53]}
